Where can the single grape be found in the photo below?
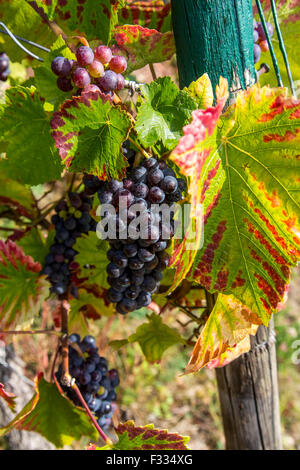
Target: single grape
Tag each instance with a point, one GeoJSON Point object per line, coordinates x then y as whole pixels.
{"type": "Point", "coordinates": [64, 84]}
{"type": "Point", "coordinates": [118, 64]}
{"type": "Point", "coordinates": [138, 174]}
{"type": "Point", "coordinates": [130, 250]}
{"type": "Point", "coordinates": [113, 270]}
{"type": "Point", "coordinates": [156, 195]}
{"type": "Point", "coordinates": [257, 52]}
{"type": "Point", "coordinates": [145, 255]}
{"type": "Point", "coordinates": [155, 176]}
{"type": "Point", "coordinates": [169, 184]}
{"type": "Point", "coordinates": [144, 299]}
{"type": "Point", "coordinates": [135, 263]}
{"type": "Point", "coordinates": [264, 45]}
{"type": "Point", "coordinates": [96, 69]}
{"type": "Point", "coordinates": [105, 197]}
{"type": "Point", "coordinates": [103, 54]}
{"type": "Point", "coordinates": [114, 295]}
{"type": "Point", "coordinates": [81, 77]}
{"type": "Point", "coordinates": [109, 81]}
{"type": "Point", "coordinates": [114, 185]}
{"type": "Point", "coordinates": [120, 81]}
{"type": "Point", "coordinates": [61, 66]}
{"type": "Point", "coordinates": [84, 55]}
{"type": "Point", "coordinates": [140, 190]}
{"type": "Point", "coordinates": [255, 36]}
{"type": "Point", "coordinates": [123, 196]}
{"type": "Point", "coordinates": [91, 88]}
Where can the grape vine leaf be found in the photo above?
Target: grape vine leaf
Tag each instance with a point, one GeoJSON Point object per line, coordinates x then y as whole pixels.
{"type": "Point", "coordinates": [8, 397]}
{"type": "Point", "coordinates": [22, 20]}
{"type": "Point", "coordinates": [200, 164]}
{"type": "Point", "coordinates": [89, 131]}
{"type": "Point", "coordinates": [46, 79]}
{"type": "Point", "coordinates": [92, 303]}
{"type": "Point", "coordinates": [252, 226]}
{"type": "Point", "coordinates": [154, 14]}
{"type": "Point", "coordinates": [132, 437]}
{"type": "Point", "coordinates": [35, 245]}
{"type": "Point", "coordinates": [225, 336]}
{"type": "Point", "coordinates": [16, 196]}
{"type": "Point", "coordinates": [30, 155]}
{"type": "Point", "coordinates": [142, 46]}
{"type": "Point", "coordinates": [53, 416]}
{"type": "Point", "coordinates": [155, 337]}
{"type": "Point", "coordinates": [162, 112]}
{"type": "Point", "coordinates": [22, 289]}
{"type": "Point", "coordinates": [96, 21]}
{"type": "Point", "coordinates": [92, 259]}
{"type": "Point", "coordinates": [202, 92]}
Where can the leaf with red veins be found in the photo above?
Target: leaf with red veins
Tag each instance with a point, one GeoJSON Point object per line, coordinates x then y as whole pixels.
{"type": "Point", "coordinates": [196, 155]}
{"type": "Point", "coordinates": [252, 227]}
{"type": "Point", "coordinates": [53, 416]}
{"type": "Point", "coordinates": [132, 437]}
{"type": "Point", "coordinates": [22, 288]}
{"type": "Point", "coordinates": [8, 397]}
{"type": "Point", "coordinates": [142, 46]}
{"type": "Point", "coordinates": [225, 336]}
{"type": "Point", "coordinates": [154, 14]}
{"type": "Point", "coordinates": [88, 132]}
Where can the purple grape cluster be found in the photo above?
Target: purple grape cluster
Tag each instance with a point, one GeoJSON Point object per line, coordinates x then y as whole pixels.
{"type": "Point", "coordinates": [96, 383]}
{"type": "Point", "coordinates": [71, 220]}
{"type": "Point", "coordinates": [136, 265]}
{"type": "Point", "coordinates": [259, 39]}
{"type": "Point", "coordinates": [93, 70]}
{"type": "Point", "coordinates": [4, 66]}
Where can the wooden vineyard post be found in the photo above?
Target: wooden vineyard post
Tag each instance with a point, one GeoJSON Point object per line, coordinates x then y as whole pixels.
{"type": "Point", "coordinates": [216, 37]}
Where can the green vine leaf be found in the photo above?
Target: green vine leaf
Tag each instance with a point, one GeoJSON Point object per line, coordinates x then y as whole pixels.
{"type": "Point", "coordinates": [92, 259]}
{"type": "Point", "coordinates": [132, 437]}
{"type": "Point", "coordinates": [162, 113]}
{"type": "Point", "coordinates": [35, 245]}
{"type": "Point", "coordinates": [88, 132]}
{"type": "Point", "coordinates": [154, 14]}
{"type": "Point", "coordinates": [202, 92]}
{"type": "Point", "coordinates": [155, 337]}
{"type": "Point", "coordinates": [30, 154]}
{"type": "Point", "coordinates": [53, 416]}
{"type": "Point", "coordinates": [22, 20]}
{"type": "Point", "coordinates": [96, 21]}
{"type": "Point", "coordinates": [16, 196]}
{"type": "Point", "coordinates": [142, 46]}
{"type": "Point", "coordinates": [22, 289]}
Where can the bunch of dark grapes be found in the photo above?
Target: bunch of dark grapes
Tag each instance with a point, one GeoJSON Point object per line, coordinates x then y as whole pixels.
{"type": "Point", "coordinates": [94, 70]}
{"type": "Point", "coordinates": [136, 265]}
{"type": "Point", "coordinates": [259, 39]}
{"type": "Point", "coordinates": [71, 220]}
{"type": "Point", "coordinates": [96, 383]}
{"type": "Point", "coordinates": [4, 66]}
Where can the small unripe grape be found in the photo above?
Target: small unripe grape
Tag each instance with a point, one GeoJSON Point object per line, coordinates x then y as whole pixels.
{"type": "Point", "coordinates": [118, 64]}
{"type": "Point", "coordinates": [96, 69]}
{"type": "Point", "coordinates": [84, 55]}
{"type": "Point", "coordinates": [264, 45]}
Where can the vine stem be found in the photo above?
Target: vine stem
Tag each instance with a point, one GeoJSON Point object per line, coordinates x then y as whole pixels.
{"type": "Point", "coordinates": [153, 73]}
{"type": "Point", "coordinates": [66, 377]}
{"type": "Point", "coordinates": [52, 25]}
{"type": "Point", "coordinates": [82, 400]}
{"type": "Point", "coordinates": [146, 155]}
{"type": "Point", "coordinates": [29, 332]}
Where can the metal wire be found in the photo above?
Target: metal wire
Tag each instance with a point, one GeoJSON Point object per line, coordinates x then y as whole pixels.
{"type": "Point", "coordinates": [282, 48]}
{"type": "Point", "coordinates": [13, 37]}
{"type": "Point", "coordinates": [31, 43]}
{"type": "Point", "coordinates": [274, 60]}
